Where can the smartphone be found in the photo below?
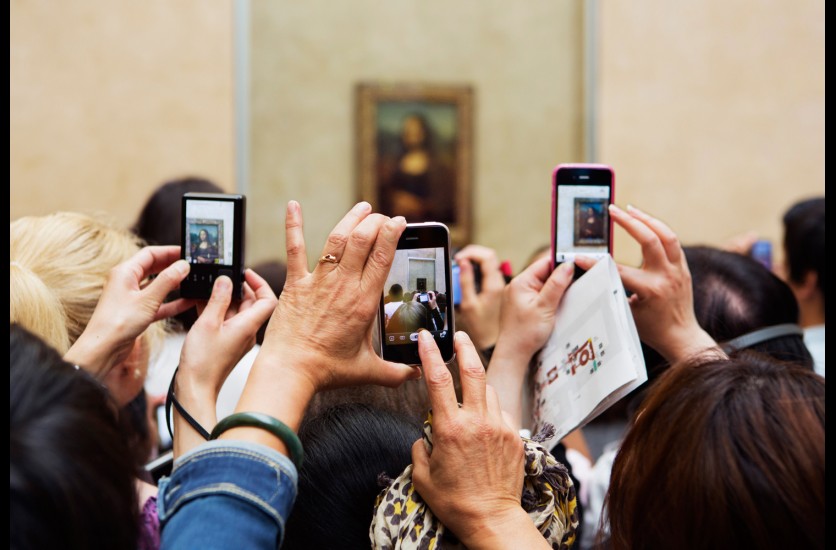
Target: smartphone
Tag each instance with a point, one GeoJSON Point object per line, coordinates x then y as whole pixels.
{"type": "Point", "coordinates": [581, 224]}
{"type": "Point", "coordinates": [456, 291]}
{"type": "Point", "coordinates": [212, 242]}
{"type": "Point", "coordinates": [761, 252]}
{"type": "Point", "coordinates": [421, 273]}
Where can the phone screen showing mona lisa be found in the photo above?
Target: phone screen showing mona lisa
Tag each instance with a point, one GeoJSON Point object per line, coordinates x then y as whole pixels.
{"type": "Point", "coordinates": [212, 241]}
{"type": "Point", "coordinates": [581, 217]}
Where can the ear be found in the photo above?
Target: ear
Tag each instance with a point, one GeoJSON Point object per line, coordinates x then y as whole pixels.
{"type": "Point", "coordinates": [808, 288]}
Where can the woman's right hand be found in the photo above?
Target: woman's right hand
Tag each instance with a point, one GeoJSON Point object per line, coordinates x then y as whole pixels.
{"type": "Point", "coordinates": [480, 311]}
{"type": "Point", "coordinates": [663, 299]}
{"type": "Point", "coordinates": [223, 333]}
{"type": "Point", "coordinates": [529, 312]}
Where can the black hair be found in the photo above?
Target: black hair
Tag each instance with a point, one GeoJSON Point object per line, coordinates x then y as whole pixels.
{"type": "Point", "coordinates": [161, 218]}
{"type": "Point", "coordinates": [734, 295]}
{"type": "Point", "coordinates": [395, 291]}
{"type": "Point", "coordinates": [347, 447]}
{"type": "Point", "coordinates": [71, 479]}
{"type": "Point", "coordinates": [804, 241]}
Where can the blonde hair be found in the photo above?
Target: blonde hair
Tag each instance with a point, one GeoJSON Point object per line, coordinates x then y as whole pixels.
{"type": "Point", "coordinates": [58, 265]}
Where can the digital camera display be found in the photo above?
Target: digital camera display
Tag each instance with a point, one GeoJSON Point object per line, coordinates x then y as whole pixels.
{"type": "Point", "coordinates": [416, 296]}
{"type": "Point", "coordinates": [209, 232]}
{"type": "Point", "coordinates": [582, 221]}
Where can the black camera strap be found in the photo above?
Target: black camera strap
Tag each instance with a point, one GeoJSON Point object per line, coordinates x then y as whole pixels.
{"type": "Point", "coordinates": [173, 400]}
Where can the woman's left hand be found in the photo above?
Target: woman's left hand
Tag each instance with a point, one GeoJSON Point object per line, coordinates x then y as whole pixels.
{"type": "Point", "coordinates": [473, 437]}
{"type": "Point", "coordinates": [128, 305]}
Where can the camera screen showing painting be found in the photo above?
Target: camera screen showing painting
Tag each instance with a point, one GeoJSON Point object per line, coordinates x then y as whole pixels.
{"type": "Point", "coordinates": [415, 296]}
{"type": "Point", "coordinates": [582, 221]}
{"type": "Point", "coordinates": [209, 232]}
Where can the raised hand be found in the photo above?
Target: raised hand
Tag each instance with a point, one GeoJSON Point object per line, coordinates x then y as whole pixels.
{"type": "Point", "coordinates": [128, 305]}
{"type": "Point", "coordinates": [663, 299]}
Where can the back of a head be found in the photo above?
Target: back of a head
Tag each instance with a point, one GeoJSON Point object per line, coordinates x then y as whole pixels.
{"type": "Point", "coordinates": [346, 448]}
{"type": "Point", "coordinates": [71, 479]}
{"type": "Point", "coordinates": [58, 267]}
{"type": "Point", "coordinates": [724, 454]}
{"type": "Point", "coordinates": [804, 241]}
{"type": "Point", "coordinates": [159, 223]}
{"type": "Point", "coordinates": [735, 295]}
{"type": "Point", "coordinates": [408, 318]}
{"type": "Point", "coordinates": [396, 292]}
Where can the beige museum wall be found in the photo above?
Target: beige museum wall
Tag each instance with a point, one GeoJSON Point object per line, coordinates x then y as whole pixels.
{"type": "Point", "coordinates": [110, 98]}
{"type": "Point", "coordinates": [712, 113]}
{"type": "Point", "coordinates": [524, 63]}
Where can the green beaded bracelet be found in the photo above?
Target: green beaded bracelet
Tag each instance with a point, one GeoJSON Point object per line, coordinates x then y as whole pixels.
{"type": "Point", "coordinates": [265, 422]}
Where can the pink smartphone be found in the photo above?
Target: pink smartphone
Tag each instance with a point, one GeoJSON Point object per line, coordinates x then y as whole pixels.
{"type": "Point", "coordinates": [581, 224]}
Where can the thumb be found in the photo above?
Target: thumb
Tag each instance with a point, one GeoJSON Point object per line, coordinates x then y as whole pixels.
{"type": "Point", "coordinates": [556, 284]}
{"type": "Point", "coordinates": [392, 374]}
{"type": "Point", "coordinates": [167, 281]}
{"type": "Point", "coordinates": [219, 301]}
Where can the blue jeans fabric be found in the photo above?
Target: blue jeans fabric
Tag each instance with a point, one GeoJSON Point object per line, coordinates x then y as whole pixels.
{"type": "Point", "coordinates": [227, 494]}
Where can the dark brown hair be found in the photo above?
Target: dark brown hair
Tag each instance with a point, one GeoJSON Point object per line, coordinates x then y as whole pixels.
{"type": "Point", "coordinates": [71, 477]}
{"type": "Point", "coordinates": [724, 454]}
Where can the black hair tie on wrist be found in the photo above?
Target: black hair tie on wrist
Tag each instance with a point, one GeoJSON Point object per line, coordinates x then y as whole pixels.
{"type": "Point", "coordinates": [186, 416]}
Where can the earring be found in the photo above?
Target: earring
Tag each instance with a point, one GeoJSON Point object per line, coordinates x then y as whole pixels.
{"type": "Point", "coordinates": [137, 374]}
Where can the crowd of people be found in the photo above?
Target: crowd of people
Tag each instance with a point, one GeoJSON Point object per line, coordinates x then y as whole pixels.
{"type": "Point", "coordinates": [289, 430]}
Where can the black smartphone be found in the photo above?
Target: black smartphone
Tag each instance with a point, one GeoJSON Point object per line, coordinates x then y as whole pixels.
{"type": "Point", "coordinates": [581, 224]}
{"type": "Point", "coordinates": [212, 242]}
{"type": "Point", "coordinates": [415, 295]}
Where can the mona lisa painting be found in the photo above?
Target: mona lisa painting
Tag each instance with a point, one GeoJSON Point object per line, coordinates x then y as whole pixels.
{"type": "Point", "coordinates": [414, 152]}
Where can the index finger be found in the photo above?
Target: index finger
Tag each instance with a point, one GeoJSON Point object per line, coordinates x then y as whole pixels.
{"type": "Point", "coordinates": [439, 381]}
{"type": "Point", "coordinates": [653, 252]}
{"type": "Point", "coordinates": [152, 259]}
{"type": "Point", "coordinates": [669, 239]}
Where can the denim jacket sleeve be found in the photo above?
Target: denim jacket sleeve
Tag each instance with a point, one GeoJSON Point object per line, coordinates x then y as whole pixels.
{"type": "Point", "coordinates": [227, 494]}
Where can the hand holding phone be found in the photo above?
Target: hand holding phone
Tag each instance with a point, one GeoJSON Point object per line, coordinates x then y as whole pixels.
{"type": "Point", "coordinates": [581, 224]}
{"type": "Point", "coordinates": [422, 266]}
{"type": "Point", "coordinates": [212, 242]}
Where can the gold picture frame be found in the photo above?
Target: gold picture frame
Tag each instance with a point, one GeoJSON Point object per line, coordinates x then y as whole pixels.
{"type": "Point", "coordinates": [415, 152]}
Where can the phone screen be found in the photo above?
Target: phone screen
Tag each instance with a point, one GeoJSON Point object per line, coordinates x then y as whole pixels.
{"type": "Point", "coordinates": [407, 307]}
{"type": "Point", "coordinates": [581, 218]}
{"type": "Point", "coordinates": [417, 295]}
{"type": "Point", "coordinates": [210, 231]}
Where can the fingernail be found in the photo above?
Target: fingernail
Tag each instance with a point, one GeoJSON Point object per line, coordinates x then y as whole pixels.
{"type": "Point", "coordinates": [223, 283]}
{"type": "Point", "coordinates": [416, 374]}
{"type": "Point", "coordinates": [615, 209]}
{"type": "Point", "coordinates": [399, 220]}
{"type": "Point", "coordinates": [424, 334]}
{"type": "Point", "coordinates": [182, 266]}
{"type": "Point", "coordinates": [362, 206]}
{"type": "Point", "coordinates": [633, 210]}
{"type": "Point", "coordinates": [567, 268]}
{"type": "Point", "coordinates": [461, 336]}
